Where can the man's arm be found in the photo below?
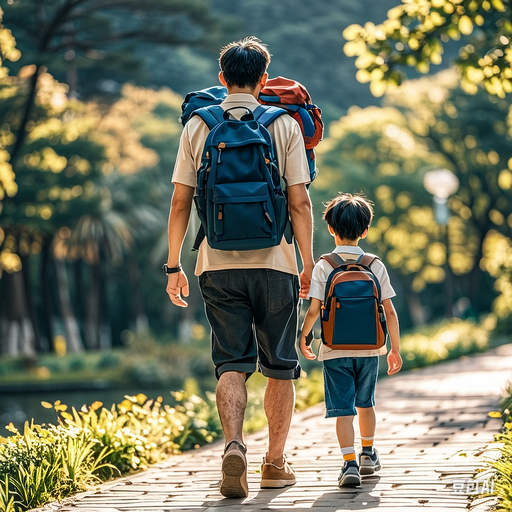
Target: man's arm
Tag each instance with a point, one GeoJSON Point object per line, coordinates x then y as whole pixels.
{"type": "Point", "coordinates": [302, 223]}
{"type": "Point", "coordinates": [181, 204]}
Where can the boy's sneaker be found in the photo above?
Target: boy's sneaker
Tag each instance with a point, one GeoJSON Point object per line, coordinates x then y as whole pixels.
{"type": "Point", "coordinates": [276, 477]}
{"type": "Point", "coordinates": [234, 471]}
{"type": "Point", "coordinates": [349, 475]}
{"type": "Point", "coordinates": [369, 462]}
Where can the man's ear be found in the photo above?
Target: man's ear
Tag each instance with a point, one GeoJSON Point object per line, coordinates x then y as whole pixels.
{"type": "Point", "coordinates": [222, 80]}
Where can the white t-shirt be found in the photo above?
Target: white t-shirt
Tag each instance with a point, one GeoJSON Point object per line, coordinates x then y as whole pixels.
{"type": "Point", "coordinates": [322, 271]}
{"type": "Point", "coordinates": [293, 166]}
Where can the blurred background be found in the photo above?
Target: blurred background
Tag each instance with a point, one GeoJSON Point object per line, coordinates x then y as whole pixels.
{"type": "Point", "coordinates": [90, 96]}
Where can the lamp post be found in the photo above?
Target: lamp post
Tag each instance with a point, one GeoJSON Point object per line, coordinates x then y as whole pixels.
{"type": "Point", "coordinates": [442, 184]}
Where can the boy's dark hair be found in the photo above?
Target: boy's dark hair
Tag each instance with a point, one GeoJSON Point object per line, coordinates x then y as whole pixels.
{"type": "Point", "coordinates": [349, 215]}
{"type": "Point", "coordinates": [244, 62]}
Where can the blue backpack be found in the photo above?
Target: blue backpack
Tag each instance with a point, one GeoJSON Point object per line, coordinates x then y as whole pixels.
{"type": "Point", "coordinates": [239, 198]}
{"type": "Point", "coordinates": [199, 99]}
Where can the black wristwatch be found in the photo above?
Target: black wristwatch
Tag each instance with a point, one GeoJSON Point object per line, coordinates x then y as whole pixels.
{"type": "Point", "coordinates": [170, 270]}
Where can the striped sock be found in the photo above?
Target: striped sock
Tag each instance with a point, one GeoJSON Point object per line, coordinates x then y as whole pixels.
{"type": "Point", "coordinates": [348, 453]}
{"type": "Point", "coordinates": [367, 444]}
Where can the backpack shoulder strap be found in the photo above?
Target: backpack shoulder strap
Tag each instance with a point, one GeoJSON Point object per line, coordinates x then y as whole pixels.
{"type": "Point", "coordinates": [267, 114]}
{"type": "Point", "coordinates": [335, 260]}
{"type": "Point", "coordinates": [212, 115]}
{"type": "Point", "coordinates": [367, 259]}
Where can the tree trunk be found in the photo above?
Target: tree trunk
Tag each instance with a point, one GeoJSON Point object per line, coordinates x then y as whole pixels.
{"type": "Point", "coordinates": [92, 321]}
{"type": "Point", "coordinates": [21, 134]}
{"type": "Point", "coordinates": [41, 344]}
{"type": "Point", "coordinates": [74, 343]}
{"type": "Point", "coordinates": [19, 337]}
{"type": "Point", "coordinates": [416, 310]}
{"type": "Point", "coordinates": [46, 259]}
{"type": "Point", "coordinates": [475, 278]}
{"type": "Point", "coordinates": [141, 319]}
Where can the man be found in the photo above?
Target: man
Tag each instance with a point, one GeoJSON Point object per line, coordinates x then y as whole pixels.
{"type": "Point", "coordinates": [250, 297]}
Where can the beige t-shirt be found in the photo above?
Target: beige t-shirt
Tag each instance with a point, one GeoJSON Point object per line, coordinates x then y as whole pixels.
{"type": "Point", "coordinates": [322, 271]}
{"type": "Point", "coordinates": [293, 166]}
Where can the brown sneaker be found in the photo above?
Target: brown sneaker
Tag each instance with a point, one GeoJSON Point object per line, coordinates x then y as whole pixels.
{"type": "Point", "coordinates": [234, 471]}
{"type": "Point", "coordinates": [275, 477]}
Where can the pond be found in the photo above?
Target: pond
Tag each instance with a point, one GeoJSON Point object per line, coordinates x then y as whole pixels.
{"type": "Point", "coordinates": [20, 407]}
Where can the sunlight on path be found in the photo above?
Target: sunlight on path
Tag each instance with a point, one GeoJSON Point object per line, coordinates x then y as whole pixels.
{"type": "Point", "coordinates": [431, 423]}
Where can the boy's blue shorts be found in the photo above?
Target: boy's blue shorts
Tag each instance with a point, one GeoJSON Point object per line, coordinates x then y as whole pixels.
{"type": "Point", "coordinates": [349, 382]}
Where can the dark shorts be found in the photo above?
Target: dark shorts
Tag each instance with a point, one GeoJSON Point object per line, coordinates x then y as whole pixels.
{"type": "Point", "coordinates": [349, 382]}
{"type": "Point", "coordinates": [253, 317]}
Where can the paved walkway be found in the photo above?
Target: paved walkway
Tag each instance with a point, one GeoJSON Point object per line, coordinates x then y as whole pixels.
{"type": "Point", "coordinates": [432, 422]}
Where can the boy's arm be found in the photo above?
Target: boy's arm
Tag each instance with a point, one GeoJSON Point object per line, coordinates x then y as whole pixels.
{"type": "Point", "coordinates": [394, 359]}
{"type": "Point", "coordinates": [307, 326]}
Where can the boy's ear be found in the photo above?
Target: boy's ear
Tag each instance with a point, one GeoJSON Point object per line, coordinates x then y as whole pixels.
{"type": "Point", "coordinates": [331, 231]}
{"type": "Point", "coordinates": [222, 80]}
{"type": "Point", "coordinates": [365, 234]}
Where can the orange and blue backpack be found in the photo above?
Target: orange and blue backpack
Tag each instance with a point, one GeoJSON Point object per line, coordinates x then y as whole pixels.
{"type": "Point", "coordinates": [352, 313]}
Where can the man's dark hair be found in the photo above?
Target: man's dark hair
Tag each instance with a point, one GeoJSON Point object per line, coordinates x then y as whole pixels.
{"type": "Point", "coordinates": [244, 62]}
{"type": "Point", "coordinates": [349, 215]}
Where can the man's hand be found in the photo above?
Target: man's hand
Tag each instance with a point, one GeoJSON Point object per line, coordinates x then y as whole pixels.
{"type": "Point", "coordinates": [305, 349]}
{"type": "Point", "coordinates": [305, 282]}
{"type": "Point", "coordinates": [177, 285]}
{"type": "Point", "coordinates": [394, 362]}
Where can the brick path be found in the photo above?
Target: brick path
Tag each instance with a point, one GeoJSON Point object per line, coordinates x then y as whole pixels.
{"type": "Point", "coordinates": [432, 422]}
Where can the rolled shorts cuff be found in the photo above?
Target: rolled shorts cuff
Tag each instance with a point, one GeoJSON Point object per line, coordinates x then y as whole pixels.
{"type": "Point", "coordinates": [248, 368]}
{"type": "Point", "coordinates": [364, 405]}
{"type": "Point", "coordinates": [290, 374]}
{"type": "Point", "coordinates": [335, 413]}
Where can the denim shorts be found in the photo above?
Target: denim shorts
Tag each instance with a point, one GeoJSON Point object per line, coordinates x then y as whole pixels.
{"type": "Point", "coordinates": [253, 318]}
{"type": "Point", "coordinates": [349, 382]}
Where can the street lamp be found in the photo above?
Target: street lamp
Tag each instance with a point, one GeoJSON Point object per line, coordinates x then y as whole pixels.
{"type": "Point", "coordinates": [442, 183]}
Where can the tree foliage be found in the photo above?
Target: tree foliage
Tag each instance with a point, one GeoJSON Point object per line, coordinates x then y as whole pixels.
{"type": "Point", "coordinates": [84, 41]}
{"type": "Point", "coordinates": [415, 35]}
{"type": "Point", "coordinates": [428, 123]}
{"type": "Point", "coordinates": [8, 51]}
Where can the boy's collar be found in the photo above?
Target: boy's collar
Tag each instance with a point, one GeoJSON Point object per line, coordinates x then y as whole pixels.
{"type": "Point", "coordinates": [349, 249]}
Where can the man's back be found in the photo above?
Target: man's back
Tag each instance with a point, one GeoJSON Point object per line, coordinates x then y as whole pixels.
{"type": "Point", "coordinates": [289, 146]}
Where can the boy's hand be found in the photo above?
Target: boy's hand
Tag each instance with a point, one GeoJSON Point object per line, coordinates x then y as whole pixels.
{"type": "Point", "coordinates": [394, 362]}
{"type": "Point", "coordinates": [306, 349]}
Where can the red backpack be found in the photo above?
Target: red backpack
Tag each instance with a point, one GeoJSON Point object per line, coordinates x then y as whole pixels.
{"type": "Point", "coordinates": [295, 99]}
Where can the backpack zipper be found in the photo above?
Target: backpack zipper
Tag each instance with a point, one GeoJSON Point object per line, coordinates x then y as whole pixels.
{"type": "Point", "coordinates": [220, 147]}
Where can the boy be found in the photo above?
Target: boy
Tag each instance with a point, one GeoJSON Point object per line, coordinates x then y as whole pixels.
{"type": "Point", "coordinates": [350, 375]}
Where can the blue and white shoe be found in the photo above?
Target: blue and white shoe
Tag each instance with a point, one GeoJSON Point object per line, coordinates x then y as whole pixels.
{"type": "Point", "coordinates": [349, 475]}
{"type": "Point", "coordinates": [369, 463]}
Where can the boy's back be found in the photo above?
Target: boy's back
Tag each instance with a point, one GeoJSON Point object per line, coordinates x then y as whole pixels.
{"type": "Point", "coordinates": [321, 273]}
{"type": "Point", "coordinates": [350, 376]}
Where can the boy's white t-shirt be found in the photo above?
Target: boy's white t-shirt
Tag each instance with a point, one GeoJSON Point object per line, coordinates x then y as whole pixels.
{"type": "Point", "coordinates": [322, 271]}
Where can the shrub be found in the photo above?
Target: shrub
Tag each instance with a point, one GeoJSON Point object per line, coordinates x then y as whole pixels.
{"type": "Point", "coordinates": [500, 468]}
{"type": "Point", "coordinates": [90, 445]}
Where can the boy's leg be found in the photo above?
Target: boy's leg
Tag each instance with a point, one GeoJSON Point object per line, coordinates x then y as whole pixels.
{"type": "Point", "coordinates": [366, 379]}
{"type": "Point", "coordinates": [340, 388]}
{"type": "Point", "coordinates": [345, 433]}
{"type": "Point", "coordinates": [367, 424]}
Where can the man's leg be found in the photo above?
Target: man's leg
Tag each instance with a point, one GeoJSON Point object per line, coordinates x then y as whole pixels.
{"type": "Point", "coordinates": [231, 403]}
{"type": "Point", "coordinates": [279, 404]}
